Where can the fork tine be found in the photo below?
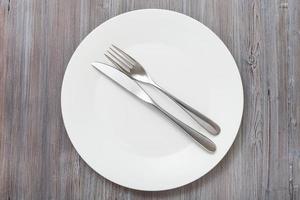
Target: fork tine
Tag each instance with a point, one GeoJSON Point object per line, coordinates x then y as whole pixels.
{"type": "Point", "coordinates": [121, 62]}
{"type": "Point", "coordinates": [114, 60]}
{"type": "Point", "coordinates": [125, 54]}
{"type": "Point", "coordinates": [123, 58]}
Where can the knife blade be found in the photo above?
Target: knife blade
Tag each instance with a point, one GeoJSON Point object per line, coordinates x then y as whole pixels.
{"type": "Point", "coordinates": [123, 80]}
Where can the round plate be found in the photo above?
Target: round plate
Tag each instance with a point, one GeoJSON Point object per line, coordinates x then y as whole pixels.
{"type": "Point", "coordinates": [131, 143]}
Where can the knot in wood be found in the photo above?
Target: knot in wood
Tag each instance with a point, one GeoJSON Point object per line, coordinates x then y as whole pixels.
{"type": "Point", "coordinates": [252, 61]}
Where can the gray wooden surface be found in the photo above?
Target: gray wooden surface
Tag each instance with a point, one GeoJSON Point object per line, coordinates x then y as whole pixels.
{"type": "Point", "coordinates": [37, 39]}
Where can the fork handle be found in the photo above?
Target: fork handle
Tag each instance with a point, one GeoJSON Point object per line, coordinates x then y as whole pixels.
{"type": "Point", "coordinates": [201, 119]}
{"type": "Point", "coordinates": [199, 137]}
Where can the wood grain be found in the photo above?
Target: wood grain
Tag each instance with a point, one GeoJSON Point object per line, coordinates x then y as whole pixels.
{"type": "Point", "coordinates": [37, 39]}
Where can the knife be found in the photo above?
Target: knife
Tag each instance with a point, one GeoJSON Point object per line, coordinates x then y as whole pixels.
{"type": "Point", "coordinates": [134, 88]}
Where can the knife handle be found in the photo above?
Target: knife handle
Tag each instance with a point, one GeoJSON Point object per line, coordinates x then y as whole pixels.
{"type": "Point", "coordinates": [201, 119]}
{"type": "Point", "coordinates": [199, 137]}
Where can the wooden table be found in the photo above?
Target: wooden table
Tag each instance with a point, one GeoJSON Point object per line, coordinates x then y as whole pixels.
{"type": "Point", "coordinates": [37, 39]}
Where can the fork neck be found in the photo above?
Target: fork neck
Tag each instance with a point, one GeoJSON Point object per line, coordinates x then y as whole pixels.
{"type": "Point", "coordinates": [146, 80]}
{"type": "Point", "coordinates": [150, 81]}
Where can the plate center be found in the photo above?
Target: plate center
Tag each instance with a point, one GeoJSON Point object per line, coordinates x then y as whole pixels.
{"type": "Point", "coordinates": [164, 140]}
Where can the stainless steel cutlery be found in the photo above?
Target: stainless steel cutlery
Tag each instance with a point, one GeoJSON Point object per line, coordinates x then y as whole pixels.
{"type": "Point", "coordinates": [136, 71]}
{"type": "Point", "coordinates": [130, 85]}
{"type": "Point", "coordinates": [129, 73]}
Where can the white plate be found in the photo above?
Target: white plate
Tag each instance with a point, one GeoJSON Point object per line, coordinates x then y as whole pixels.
{"type": "Point", "coordinates": [130, 143]}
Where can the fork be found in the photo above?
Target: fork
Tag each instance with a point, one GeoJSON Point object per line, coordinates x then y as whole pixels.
{"type": "Point", "coordinates": [136, 71]}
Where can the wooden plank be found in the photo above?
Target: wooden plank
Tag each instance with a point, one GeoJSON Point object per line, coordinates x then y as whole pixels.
{"type": "Point", "coordinates": [4, 184]}
{"type": "Point", "coordinates": [276, 168]}
{"type": "Point", "coordinates": [294, 99]}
